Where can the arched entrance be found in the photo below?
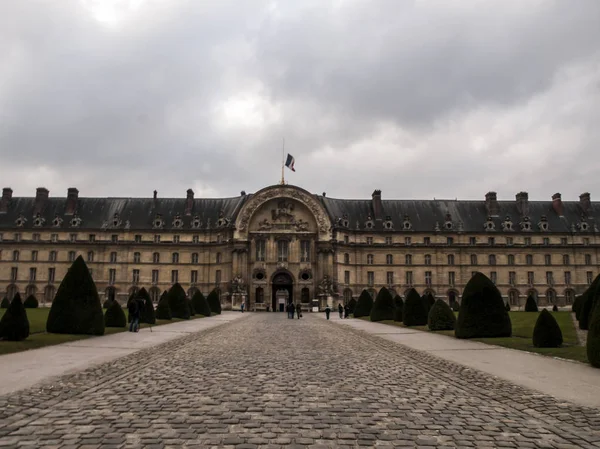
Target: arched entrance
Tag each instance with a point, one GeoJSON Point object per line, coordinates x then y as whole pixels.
{"type": "Point", "coordinates": [283, 290]}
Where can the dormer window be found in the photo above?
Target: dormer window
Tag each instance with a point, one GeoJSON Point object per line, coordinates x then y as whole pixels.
{"type": "Point", "coordinates": [344, 221]}
{"type": "Point", "coordinates": [177, 222]}
{"type": "Point", "coordinates": [57, 222]}
{"type": "Point", "coordinates": [75, 221]}
{"type": "Point", "coordinates": [38, 221]}
{"type": "Point", "coordinates": [20, 221]}
{"type": "Point", "coordinates": [116, 221]}
{"type": "Point", "coordinates": [222, 222]}
{"type": "Point", "coordinates": [196, 223]}
{"type": "Point", "coordinates": [369, 223]}
{"type": "Point", "coordinates": [448, 225]}
{"type": "Point", "coordinates": [543, 223]}
{"type": "Point", "coordinates": [406, 224]}
{"type": "Point", "coordinates": [489, 225]}
{"type": "Point", "coordinates": [507, 224]}
{"type": "Point", "coordinates": [158, 222]}
{"type": "Point", "coordinates": [388, 224]}
{"type": "Point", "coordinates": [525, 224]}
{"type": "Point", "coordinates": [583, 225]}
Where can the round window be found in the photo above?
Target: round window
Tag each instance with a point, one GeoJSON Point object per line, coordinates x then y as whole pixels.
{"type": "Point", "coordinates": [260, 276]}
{"type": "Point", "coordinates": [448, 225]}
{"type": "Point", "coordinates": [305, 276]}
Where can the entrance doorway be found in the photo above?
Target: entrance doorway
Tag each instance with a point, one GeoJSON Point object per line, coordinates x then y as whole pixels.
{"type": "Point", "coordinates": [282, 289]}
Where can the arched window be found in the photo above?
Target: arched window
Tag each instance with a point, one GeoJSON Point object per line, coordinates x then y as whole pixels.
{"type": "Point", "coordinates": [408, 259]}
{"type": "Point", "coordinates": [492, 259]}
{"type": "Point", "coordinates": [156, 257]}
{"type": "Point", "coordinates": [427, 259]}
{"type": "Point", "coordinates": [30, 290]}
{"type": "Point", "coordinates": [473, 259]}
{"type": "Point", "coordinates": [346, 258]}
{"type": "Point", "coordinates": [513, 297]}
{"type": "Point", "coordinates": [194, 257]}
{"type": "Point", "coordinates": [551, 296]}
{"type": "Point", "coordinates": [175, 258]}
{"type": "Point", "coordinates": [219, 258]}
{"type": "Point", "coordinates": [49, 293]}
{"type": "Point", "coordinates": [370, 259]}
{"type": "Point", "coordinates": [450, 259]}
{"type": "Point", "coordinates": [529, 259]}
{"type": "Point", "coordinates": [260, 295]}
{"type": "Point", "coordinates": [569, 296]}
{"type": "Point", "coordinates": [305, 295]}
{"type": "Point", "coordinates": [16, 256]}
{"type": "Point", "coordinates": [389, 259]}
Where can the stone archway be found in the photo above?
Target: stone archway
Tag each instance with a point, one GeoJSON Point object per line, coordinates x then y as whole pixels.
{"type": "Point", "coordinates": [282, 287]}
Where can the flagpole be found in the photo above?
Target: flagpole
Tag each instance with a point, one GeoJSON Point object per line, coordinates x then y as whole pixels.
{"type": "Point", "coordinates": [282, 162]}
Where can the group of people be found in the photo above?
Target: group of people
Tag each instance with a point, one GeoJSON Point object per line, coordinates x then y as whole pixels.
{"type": "Point", "coordinates": [344, 311]}
{"type": "Point", "coordinates": [292, 309]}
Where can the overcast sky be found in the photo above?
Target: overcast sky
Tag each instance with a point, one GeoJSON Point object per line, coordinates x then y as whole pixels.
{"type": "Point", "coordinates": [419, 98]}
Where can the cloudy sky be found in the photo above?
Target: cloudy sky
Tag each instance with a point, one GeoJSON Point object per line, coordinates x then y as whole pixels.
{"type": "Point", "coordinates": [418, 98]}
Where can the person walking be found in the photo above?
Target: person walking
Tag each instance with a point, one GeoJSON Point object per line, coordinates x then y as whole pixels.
{"type": "Point", "coordinates": [327, 311]}
{"type": "Point", "coordinates": [292, 310]}
{"type": "Point", "coordinates": [242, 307]}
{"type": "Point", "coordinates": [346, 311]}
{"type": "Point", "coordinates": [134, 313]}
{"type": "Point", "coordinates": [340, 310]}
{"type": "Point", "coordinates": [299, 310]}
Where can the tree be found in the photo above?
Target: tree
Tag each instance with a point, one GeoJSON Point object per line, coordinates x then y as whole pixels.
{"type": "Point", "coordinates": [214, 302]}
{"type": "Point", "coordinates": [31, 302]}
{"type": "Point", "coordinates": [147, 315]}
{"type": "Point", "coordinates": [163, 311]}
{"type": "Point", "coordinates": [547, 333]}
{"type": "Point", "coordinates": [5, 303]}
{"type": "Point", "coordinates": [428, 301]}
{"type": "Point", "coordinates": [76, 308]}
{"type": "Point", "coordinates": [555, 308]}
{"type": "Point", "coordinates": [576, 306]}
{"type": "Point", "coordinates": [351, 306]}
{"type": "Point", "coordinates": [593, 338]}
{"type": "Point", "coordinates": [414, 312]}
{"type": "Point", "coordinates": [590, 297]}
{"type": "Point", "coordinates": [399, 305]}
{"type": "Point", "coordinates": [482, 312]}
{"type": "Point", "coordinates": [363, 305]}
{"type": "Point", "coordinates": [14, 325]}
{"type": "Point", "coordinates": [531, 305]}
{"type": "Point", "coordinates": [191, 307]}
{"type": "Point", "coordinates": [178, 302]}
{"type": "Point", "coordinates": [200, 304]}
{"type": "Point", "coordinates": [114, 315]}
{"type": "Point", "coordinates": [441, 317]}
{"type": "Point", "coordinates": [383, 307]}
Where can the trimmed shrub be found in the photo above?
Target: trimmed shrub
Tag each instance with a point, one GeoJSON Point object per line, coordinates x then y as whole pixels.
{"type": "Point", "coordinates": [482, 312]}
{"type": "Point", "coordinates": [214, 302]}
{"type": "Point", "coordinates": [593, 338]}
{"type": "Point", "coordinates": [383, 307]}
{"type": "Point", "coordinates": [399, 305]}
{"type": "Point", "coordinates": [178, 302]}
{"type": "Point", "coordinates": [5, 303]}
{"type": "Point", "coordinates": [507, 307]}
{"type": "Point", "coordinates": [555, 308]}
{"type": "Point", "coordinates": [31, 302]}
{"type": "Point", "coordinates": [147, 315]}
{"type": "Point", "coordinates": [576, 305]}
{"type": "Point", "coordinates": [590, 297]}
{"type": "Point", "coordinates": [200, 304]}
{"type": "Point", "coordinates": [531, 305]}
{"type": "Point", "coordinates": [547, 333]}
{"type": "Point", "coordinates": [163, 311]}
{"type": "Point", "coordinates": [363, 305]}
{"type": "Point", "coordinates": [414, 312]}
{"type": "Point", "coordinates": [14, 325]}
{"type": "Point", "coordinates": [428, 302]}
{"type": "Point", "coordinates": [455, 306]}
{"type": "Point", "coordinates": [76, 308]}
{"type": "Point", "coordinates": [351, 306]}
{"type": "Point", "coordinates": [114, 315]}
{"type": "Point", "coordinates": [441, 317]}
{"type": "Point", "coordinates": [191, 307]}
{"type": "Point", "coordinates": [106, 304]}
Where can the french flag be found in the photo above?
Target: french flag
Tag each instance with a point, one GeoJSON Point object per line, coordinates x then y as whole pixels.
{"type": "Point", "coordinates": [289, 163]}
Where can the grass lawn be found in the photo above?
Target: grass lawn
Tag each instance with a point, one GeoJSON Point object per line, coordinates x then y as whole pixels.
{"type": "Point", "coordinates": [522, 335]}
{"type": "Point", "coordinates": [38, 337]}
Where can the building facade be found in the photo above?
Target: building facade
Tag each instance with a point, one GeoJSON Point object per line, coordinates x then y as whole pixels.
{"type": "Point", "coordinates": [283, 244]}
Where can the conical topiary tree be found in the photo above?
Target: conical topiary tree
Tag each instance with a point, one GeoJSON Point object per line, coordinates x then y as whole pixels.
{"type": "Point", "coordinates": [398, 306]}
{"type": "Point", "coordinates": [507, 306]}
{"type": "Point", "coordinates": [576, 306]}
{"type": "Point", "coordinates": [114, 315]}
{"type": "Point", "coordinates": [531, 305]}
{"type": "Point", "coordinates": [547, 333]}
{"type": "Point", "coordinates": [178, 302]}
{"type": "Point", "coordinates": [455, 306]}
{"type": "Point", "coordinates": [5, 303]}
{"type": "Point", "coordinates": [31, 302]}
{"type": "Point", "coordinates": [200, 304]}
{"type": "Point", "coordinates": [441, 317]}
{"type": "Point", "coordinates": [76, 308]}
{"type": "Point", "coordinates": [147, 315]}
{"type": "Point", "coordinates": [214, 302]}
{"type": "Point", "coordinates": [106, 304]}
{"type": "Point", "coordinates": [14, 325]}
{"type": "Point", "coordinates": [383, 307]}
{"type": "Point", "coordinates": [363, 305]}
{"type": "Point", "coordinates": [163, 311]}
{"type": "Point", "coordinates": [428, 301]}
{"type": "Point", "coordinates": [482, 313]}
{"type": "Point", "coordinates": [555, 308]}
{"type": "Point", "coordinates": [414, 312]}
{"type": "Point", "coordinates": [593, 338]}
{"type": "Point", "coordinates": [588, 302]}
{"type": "Point", "coordinates": [191, 307]}
{"type": "Point", "coordinates": [351, 306]}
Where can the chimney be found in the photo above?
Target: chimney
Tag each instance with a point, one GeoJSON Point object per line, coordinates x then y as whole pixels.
{"type": "Point", "coordinates": [189, 203]}
{"type": "Point", "coordinates": [557, 205]}
{"type": "Point", "coordinates": [72, 197]}
{"type": "Point", "coordinates": [6, 199]}
{"type": "Point", "coordinates": [155, 194]}
{"type": "Point", "coordinates": [377, 206]}
{"type": "Point", "coordinates": [491, 204]}
{"type": "Point", "coordinates": [585, 202]}
{"type": "Point", "coordinates": [41, 196]}
{"type": "Point", "coordinates": [523, 203]}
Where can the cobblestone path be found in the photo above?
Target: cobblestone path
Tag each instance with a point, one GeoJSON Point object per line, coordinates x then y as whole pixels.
{"type": "Point", "coordinates": [265, 381]}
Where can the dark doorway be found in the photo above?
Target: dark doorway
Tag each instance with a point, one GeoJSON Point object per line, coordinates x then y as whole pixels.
{"type": "Point", "coordinates": [282, 289]}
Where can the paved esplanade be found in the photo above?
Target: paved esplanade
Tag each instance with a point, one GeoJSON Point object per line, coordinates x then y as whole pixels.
{"type": "Point", "coordinates": [266, 381]}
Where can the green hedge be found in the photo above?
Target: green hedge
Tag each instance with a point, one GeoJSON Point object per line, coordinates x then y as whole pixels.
{"type": "Point", "coordinates": [428, 302]}
{"type": "Point", "coordinates": [547, 333]}
{"type": "Point", "coordinates": [31, 302]}
{"type": "Point", "coordinates": [14, 325]}
{"type": "Point", "coordinates": [214, 302]}
{"type": "Point", "coordinates": [114, 315]}
{"type": "Point", "coordinates": [593, 338]}
{"type": "Point", "coordinates": [178, 302]}
{"type": "Point", "coordinates": [441, 317]}
{"type": "Point", "coordinates": [163, 311]}
{"type": "Point", "coordinates": [531, 305]}
{"type": "Point", "coordinates": [590, 297]}
{"type": "Point", "coordinates": [414, 312]}
{"type": "Point", "coordinates": [398, 306]}
{"type": "Point", "coordinates": [363, 305]}
{"type": "Point", "coordinates": [200, 304]}
{"type": "Point", "coordinates": [383, 307]}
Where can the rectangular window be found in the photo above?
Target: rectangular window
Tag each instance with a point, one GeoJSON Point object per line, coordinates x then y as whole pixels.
{"type": "Point", "coordinates": [491, 241]}
{"type": "Point", "coordinates": [408, 259]}
{"type": "Point", "coordinates": [509, 241]}
{"type": "Point", "coordinates": [370, 278]}
{"type": "Point", "coordinates": [568, 277]}
{"type": "Point", "coordinates": [369, 259]}
{"type": "Point", "coordinates": [389, 259]}
{"type": "Point", "coordinates": [586, 241]}
{"type": "Point", "coordinates": [90, 256]}
{"type": "Point", "coordinates": [450, 240]}
{"type": "Point", "coordinates": [112, 276]}
{"type": "Point", "coordinates": [17, 237]}
{"type": "Point", "coordinates": [388, 240]}
{"type": "Point", "coordinates": [346, 239]}
{"type": "Point", "coordinates": [390, 277]}
{"type": "Point", "coordinates": [512, 278]}
{"type": "Point", "coordinates": [34, 256]}
{"type": "Point", "coordinates": [194, 276]}
{"type": "Point", "coordinates": [473, 259]}
{"type": "Point", "coordinates": [174, 276]}
{"type": "Point", "coordinates": [113, 257]}
{"type": "Point", "coordinates": [494, 277]}
{"type": "Point", "coordinates": [548, 259]}
{"type": "Point", "coordinates": [54, 238]}
{"type": "Point", "coordinates": [114, 238]}
{"type": "Point", "coordinates": [369, 240]}
{"type": "Point", "coordinates": [260, 250]}
{"type": "Point", "coordinates": [588, 259]}
{"type": "Point", "coordinates": [409, 278]}
{"type": "Point", "coordinates": [527, 241]}
{"type": "Point", "coordinates": [32, 274]}
{"type": "Point", "coordinates": [52, 256]}
{"type": "Point", "coordinates": [15, 256]}
{"type": "Point", "coordinates": [51, 274]}
{"type": "Point", "coordinates": [511, 259]}
{"type": "Point", "coordinates": [305, 251]}
{"type": "Point", "coordinates": [426, 240]}
{"type": "Point", "coordinates": [195, 238]}
{"type": "Point", "coordinates": [428, 278]}
{"type": "Point", "coordinates": [589, 277]}
{"type": "Point", "coordinates": [218, 276]}
{"type": "Point", "coordinates": [14, 273]}
{"type": "Point", "coordinates": [451, 278]}
{"type": "Point", "coordinates": [92, 238]}
{"type": "Point", "coordinates": [529, 259]}
{"type": "Point", "coordinates": [563, 240]}
{"type": "Point", "coordinates": [155, 257]}
{"type": "Point", "coordinates": [157, 238]}
{"type": "Point", "coordinates": [137, 257]}
{"type": "Point", "coordinates": [546, 241]}
{"type": "Point", "coordinates": [566, 260]}
{"type": "Point", "coordinates": [136, 277]}
{"type": "Point", "coordinates": [138, 238]}
{"type": "Point", "coordinates": [549, 278]}
{"type": "Point", "coordinates": [72, 238]}
{"type": "Point", "coordinates": [450, 259]}
{"type": "Point", "coordinates": [71, 256]}
{"type": "Point", "coordinates": [175, 239]}
{"type": "Point", "coordinates": [282, 250]}
{"type": "Point", "coordinates": [155, 276]}
{"type": "Point", "coordinates": [407, 241]}
{"type": "Point", "coordinates": [36, 237]}
{"type": "Point", "coordinates": [530, 278]}
{"type": "Point", "coordinates": [346, 277]}
{"type": "Point", "coordinates": [175, 258]}
{"type": "Point", "coordinates": [472, 240]}
{"type": "Point", "coordinates": [492, 259]}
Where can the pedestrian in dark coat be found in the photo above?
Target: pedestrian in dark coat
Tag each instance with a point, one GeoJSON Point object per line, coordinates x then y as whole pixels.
{"type": "Point", "coordinates": [292, 310]}
{"type": "Point", "coordinates": [340, 309]}
{"type": "Point", "coordinates": [327, 311]}
{"type": "Point", "coordinates": [299, 310]}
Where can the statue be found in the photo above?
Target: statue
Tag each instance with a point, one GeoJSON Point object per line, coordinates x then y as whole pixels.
{"type": "Point", "coordinates": [237, 284]}
{"type": "Point", "coordinates": [264, 225]}
{"type": "Point", "coordinates": [325, 286]}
